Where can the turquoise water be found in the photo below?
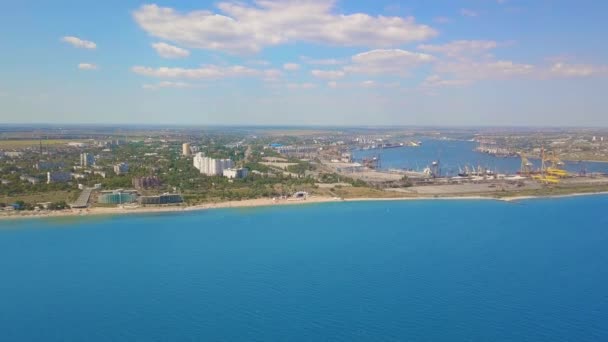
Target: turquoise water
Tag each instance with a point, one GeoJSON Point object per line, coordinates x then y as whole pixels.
{"type": "Point", "coordinates": [455, 155]}
{"type": "Point", "coordinates": [368, 271]}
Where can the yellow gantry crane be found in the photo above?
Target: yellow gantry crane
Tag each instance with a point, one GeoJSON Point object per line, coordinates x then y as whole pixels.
{"type": "Point", "coordinates": [551, 168]}
{"type": "Point", "coordinates": [526, 166]}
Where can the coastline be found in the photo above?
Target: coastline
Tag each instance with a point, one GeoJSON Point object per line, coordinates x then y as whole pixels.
{"type": "Point", "coordinates": [255, 203]}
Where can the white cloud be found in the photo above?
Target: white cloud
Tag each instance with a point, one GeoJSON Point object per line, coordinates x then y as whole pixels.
{"type": "Point", "coordinates": [271, 75]}
{"type": "Point", "coordinates": [205, 72]}
{"type": "Point", "coordinates": [441, 20]}
{"type": "Point", "coordinates": [437, 81]}
{"type": "Point", "coordinates": [169, 51]}
{"type": "Point", "coordinates": [479, 70]}
{"type": "Point", "coordinates": [301, 85]}
{"type": "Point", "coordinates": [375, 84]}
{"type": "Point", "coordinates": [213, 72]}
{"type": "Point", "coordinates": [460, 47]}
{"type": "Point", "coordinates": [394, 61]}
{"type": "Point", "coordinates": [87, 66]}
{"type": "Point", "coordinates": [166, 84]}
{"type": "Point", "coordinates": [242, 28]}
{"type": "Point", "coordinates": [259, 62]}
{"type": "Point", "coordinates": [468, 12]}
{"type": "Point", "coordinates": [368, 84]}
{"type": "Point", "coordinates": [328, 74]}
{"type": "Point", "coordinates": [291, 66]}
{"type": "Point", "coordinates": [328, 61]}
{"type": "Point", "coordinates": [79, 43]}
{"type": "Point", "coordinates": [378, 62]}
{"type": "Point", "coordinates": [562, 69]}
{"type": "Point", "coordinates": [332, 84]}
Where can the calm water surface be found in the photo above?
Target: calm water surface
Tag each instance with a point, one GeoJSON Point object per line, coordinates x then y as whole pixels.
{"type": "Point", "coordinates": [455, 155]}
{"type": "Point", "coordinates": [370, 271]}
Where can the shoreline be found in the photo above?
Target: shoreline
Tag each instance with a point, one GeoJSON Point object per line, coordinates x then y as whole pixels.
{"type": "Point", "coordinates": [259, 203]}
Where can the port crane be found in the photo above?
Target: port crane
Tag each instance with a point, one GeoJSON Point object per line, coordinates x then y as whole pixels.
{"type": "Point", "coordinates": [551, 168]}
{"type": "Point", "coordinates": [526, 165]}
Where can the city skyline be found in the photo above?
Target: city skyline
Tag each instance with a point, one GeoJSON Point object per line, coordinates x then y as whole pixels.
{"type": "Point", "coordinates": [466, 63]}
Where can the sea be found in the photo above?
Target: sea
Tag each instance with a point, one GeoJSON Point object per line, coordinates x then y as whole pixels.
{"type": "Point", "coordinates": [455, 155]}
{"type": "Point", "coordinates": [417, 270]}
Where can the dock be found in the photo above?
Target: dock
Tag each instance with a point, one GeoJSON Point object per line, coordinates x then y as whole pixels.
{"type": "Point", "coordinates": [83, 199]}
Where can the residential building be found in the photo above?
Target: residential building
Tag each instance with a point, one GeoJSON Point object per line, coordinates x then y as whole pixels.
{"type": "Point", "coordinates": [47, 165]}
{"type": "Point", "coordinates": [186, 150]}
{"type": "Point", "coordinates": [12, 154]}
{"type": "Point", "coordinates": [236, 173]}
{"type": "Point", "coordinates": [121, 169]}
{"type": "Point", "coordinates": [100, 173]}
{"type": "Point", "coordinates": [211, 166]}
{"type": "Point", "coordinates": [87, 159]}
{"type": "Point", "coordinates": [146, 182]}
{"type": "Point", "coordinates": [58, 177]}
{"type": "Point", "coordinates": [30, 179]}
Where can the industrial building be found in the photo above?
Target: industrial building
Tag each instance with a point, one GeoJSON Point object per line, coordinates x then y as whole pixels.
{"type": "Point", "coordinates": [117, 197]}
{"type": "Point", "coordinates": [211, 166]}
{"type": "Point", "coordinates": [161, 199]}
{"type": "Point", "coordinates": [236, 173]}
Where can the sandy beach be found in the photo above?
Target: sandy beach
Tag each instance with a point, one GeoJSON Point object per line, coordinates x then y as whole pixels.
{"type": "Point", "coordinates": [260, 202]}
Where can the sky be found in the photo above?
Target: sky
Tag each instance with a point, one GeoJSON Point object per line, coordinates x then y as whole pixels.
{"type": "Point", "coordinates": [307, 62]}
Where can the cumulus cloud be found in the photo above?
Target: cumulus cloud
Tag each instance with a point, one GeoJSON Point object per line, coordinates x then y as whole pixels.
{"type": "Point", "coordinates": [166, 84]}
{"type": "Point", "coordinates": [393, 61]}
{"type": "Point", "coordinates": [479, 70]}
{"type": "Point", "coordinates": [301, 85]}
{"type": "Point", "coordinates": [208, 72]}
{"type": "Point", "coordinates": [79, 43]}
{"type": "Point", "coordinates": [437, 81]}
{"type": "Point", "coordinates": [562, 69]}
{"type": "Point", "coordinates": [212, 72]}
{"type": "Point", "coordinates": [326, 61]}
{"type": "Point", "coordinates": [169, 51]}
{"type": "Point", "coordinates": [441, 20]}
{"type": "Point", "coordinates": [271, 75]}
{"type": "Point", "coordinates": [468, 12]}
{"type": "Point", "coordinates": [376, 84]}
{"type": "Point", "coordinates": [242, 28]}
{"type": "Point", "coordinates": [328, 74]}
{"type": "Point", "coordinates": [87, 66]}
{"type": "Point", "coordinates": [291, 66]}
{"type": "Point", "coordinates": [378, 62]}
{"type": "Point", "coordinates": [460, 47]}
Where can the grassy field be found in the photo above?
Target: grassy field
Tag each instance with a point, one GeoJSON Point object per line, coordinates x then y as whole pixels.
{"type": "Point", "coordinates": [54, 196]}
{"type": "Point", "coordinates": [18, 144]}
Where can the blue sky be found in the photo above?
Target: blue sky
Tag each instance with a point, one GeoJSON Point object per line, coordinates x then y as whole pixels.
{"type": "Point", "coordinates": [315, 62]}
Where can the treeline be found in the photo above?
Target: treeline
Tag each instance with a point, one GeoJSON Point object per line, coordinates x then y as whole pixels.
{"type": "Point", "coordinates": [21, 205]}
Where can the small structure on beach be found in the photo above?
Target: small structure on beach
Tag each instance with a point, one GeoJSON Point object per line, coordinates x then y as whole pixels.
{"type": "Point", "coordinates": [301, 195]}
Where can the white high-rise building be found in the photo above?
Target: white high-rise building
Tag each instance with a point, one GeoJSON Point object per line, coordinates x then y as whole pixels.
{"type": "Point", "coordinates": [87, 159]}
{"type": "Point", "coordinates": [211, 166]}
{"type": "Point", "coordinates": [236, 173]}
{"type": "Point", "coordinates": [121, 169]}
{"type": "Point", "coordinates": [186, 151]}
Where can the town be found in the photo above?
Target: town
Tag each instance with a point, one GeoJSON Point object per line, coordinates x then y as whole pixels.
{"type": "Point", "coordinates": [76, 168]}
